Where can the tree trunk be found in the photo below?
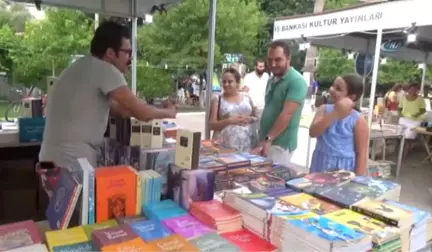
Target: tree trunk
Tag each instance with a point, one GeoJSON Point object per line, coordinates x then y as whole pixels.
{"type": "Point", "coordinates": [309, 65]}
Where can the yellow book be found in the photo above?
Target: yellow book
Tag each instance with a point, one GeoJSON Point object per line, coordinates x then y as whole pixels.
{"type": "Point", "coordinates": [381, 233]}
{"type": "Point", "coordinates": [138, 191]}
{"type": "Point", "coordinates": [65, 237]}
{"type": "Point", "coordinates": [308, 202]}
{"type": "Point", "coordinates": [387, 213]}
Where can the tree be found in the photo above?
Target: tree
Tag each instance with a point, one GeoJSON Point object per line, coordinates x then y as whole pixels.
{"type": "Point", "coordinates": [154, 82]}
{"type": "Point", "coordinates": [180, 37]}
{"type": "Point", "coordinates": [14, 15]}
{"type": "Point", "coordinates": [333, 63]}
{"type": "Point", "coordinates": [47, 45]}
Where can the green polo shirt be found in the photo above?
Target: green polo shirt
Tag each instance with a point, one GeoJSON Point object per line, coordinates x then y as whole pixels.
{"type": "Point", "coordinates": [291, 87]}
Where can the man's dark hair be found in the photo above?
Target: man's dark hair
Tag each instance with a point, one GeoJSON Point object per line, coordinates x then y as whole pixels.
{"type": "Point", "coordinates": [259, 61]}
{"type": "Point", "coordinates": [108, 35]}
{"type": "Point", "coordinates": [280, 43]}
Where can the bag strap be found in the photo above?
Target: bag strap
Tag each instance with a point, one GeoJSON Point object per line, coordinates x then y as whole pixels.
{"type": "Point", "coordinates": [218, 108]}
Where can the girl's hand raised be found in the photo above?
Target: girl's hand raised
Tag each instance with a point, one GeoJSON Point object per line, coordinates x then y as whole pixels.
{"type": "Point", "coordinates": [343, 107]}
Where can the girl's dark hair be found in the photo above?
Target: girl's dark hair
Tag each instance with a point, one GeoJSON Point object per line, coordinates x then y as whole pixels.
{"type": "Point", "coordinates": [354, 84]}
{"type": "Point", "coordinates": [234, 72]}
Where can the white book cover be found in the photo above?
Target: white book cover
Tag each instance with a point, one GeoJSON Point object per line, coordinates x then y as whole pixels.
{"type": "Point", "coordinates": [31, 248]}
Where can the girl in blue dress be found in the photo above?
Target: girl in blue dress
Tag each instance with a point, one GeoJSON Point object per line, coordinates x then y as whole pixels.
{"type": "Point", "coordinates": [342, 132]}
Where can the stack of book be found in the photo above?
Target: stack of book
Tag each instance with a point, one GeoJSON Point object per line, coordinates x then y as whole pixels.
{"type": "Point", "coordinates": [120, 238]}
{"type": "Point", "coordinates": [151, 184]}
{"type": "Point", "coordinates": [257, 208]}
{"type": "Point", "coordinates": [209, 147]}
{"type": "Point", "coordinates": [213, 242]}
{"type": "Point", "coordinates": [88, 229]}
{"type": "Point", "coordinates": [163, 210]}
{"type": "Point", "coordinates": [187, 226]}
{"type": "Point", "coordinates": [217, 215]}
{"type": "Point", "coordinates": [72, 239]}
{"type": "Point", "coordinates": [389, 190]}
{"type": "Point", "coordinates": [421, 231]}
{"type": "Point", "coordinates": [321, 234]}
{"type": "Point", "coordinates": [311, 182]}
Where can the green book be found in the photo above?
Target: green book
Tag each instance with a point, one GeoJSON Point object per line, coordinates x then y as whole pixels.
{"type": "Point", "coordinates": [213, 242]}
{"type": "Point", "coordinates": [88, 229]}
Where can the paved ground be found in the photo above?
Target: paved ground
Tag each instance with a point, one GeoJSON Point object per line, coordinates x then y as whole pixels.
{"type": "Point", "coordinates": [416, 180]}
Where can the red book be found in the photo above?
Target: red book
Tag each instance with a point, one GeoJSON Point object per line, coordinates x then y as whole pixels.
{"type": "Point", "coordinates": [19, 234]}
{"type": "Point", "coordinates": [248, 241]}
{"type": "Point", "coordinates": [216, 210]}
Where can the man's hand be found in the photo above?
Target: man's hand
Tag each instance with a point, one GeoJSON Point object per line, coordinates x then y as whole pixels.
{"type": "Point", "coordinates": [343, 107]}
{"type": "Point", "coordinates": [262, 149]}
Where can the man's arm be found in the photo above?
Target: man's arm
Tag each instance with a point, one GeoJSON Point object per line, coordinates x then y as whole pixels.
{"type": "Point", "coordinates": [128, 104]}
{"type": "Point", "coordinates": [294, 97]}
{"type": "Point", "coordinates": [422, 107]}
{"type": "Point", "coordinates": [117, 110]}
{"type": "Point", "coordinates": [361, 146]}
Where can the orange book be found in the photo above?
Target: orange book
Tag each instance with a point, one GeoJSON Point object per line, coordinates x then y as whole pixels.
{"type": "Point", "coordinates": [132, 245]}
{"type": "Point", "coordinates": [174, 242]}
{"type": "Point", "coordinates": [116, 189]}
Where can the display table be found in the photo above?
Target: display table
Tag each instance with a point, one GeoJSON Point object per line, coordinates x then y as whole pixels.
{"type": "Point", "coordinates": [19, 184]}
{"type": "Point", "coordinates": [424, 136]}
{"type": "Point", "coordinates": [388, 131]}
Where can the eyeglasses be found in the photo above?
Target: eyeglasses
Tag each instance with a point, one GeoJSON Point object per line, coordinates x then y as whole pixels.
{"type": "Point", "coordinates": [127, 51]}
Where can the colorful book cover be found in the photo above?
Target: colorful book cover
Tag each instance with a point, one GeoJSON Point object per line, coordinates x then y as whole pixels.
{"type": "Point", "coordinates": [328, 230]}
{"type": "Point", "coordinates": [308, 202]}
{"type": "Point", "coordinates": [113, 235]}
{"type": "Point", "coordinates": [81, 176]}
{"type": "Point", "coordinates": [257, 160]}
{"type": "Point", "coordinates": [283, 208]}
{"type": "Point", "coordinates": [101, 225]}
{"type": "Point", "coordinates": [61, 238]}
{"type": "Point", "coordinates": [82, 246]}
{"type": "Point", "coordinates": [371, 192]}
{"type": "Point", "coordinates": [197, 185]}
{"type": "Point", "coordinates": [387, 213]}
{"type": "Point", "coordinates": [19, 234]}
{"type": "Point", "coordinates": [342, 195]}
{"type": "Point", "coordinates": [248, 241]}
{"type": "Point", "coordinates": [320, 179]}
{"type": "Point", "coordinates": [63, 202]}
{"type": "Point", "coordinates": [150, 230]}
{"type": "Point", "coordinates": [232, 160]}
{"type": "Point", "coordinates": [420, 216]}
{"type": "Point", "coordinates": [212, 242]}
{"type": "Point", "coordinates": [115, 192]}
{"type": "Point", "coordinates": [215, 209]}
{"type": "Point", "coordinates": [285, 173]}
{"type": "Point", "coordinates": [133, 245]}
{"type": "Point", "coordinates": [380, 184]}
{"type": "Point", "coordinates": [173, 243]}
{"type": "Point", "coordinates": [187, 226]}
{"type": "Point", "coordinates": [265, 184]}
{"type": "Point", "coordinates": [380, 232]}
{"type": "Point", "coordinates": [210, 163]}
{"type": "Point", "coordinates": [277, 193]}
{"type": "Point", "coordinates": [163, 210]}
{"type": "Point", "coordinates": [130, 219]}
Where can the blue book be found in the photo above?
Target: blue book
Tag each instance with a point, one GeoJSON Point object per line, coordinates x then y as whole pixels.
{"type": "Point", "coordinates": [380, 184]}
{"type": "Point", "coordinates": [62, 203]}
{"type": "Point", "coordinates": [83, 246]}
{"type": "Point", "coordinates": [420, 216]}
{"type": "Point", "coordinates": [150, 230]}
{"type": "Point", "coordinates": [163, 210]}
{"type": "Point", "coordinates": [90, 171]}
{"type": "Point", "coordinates": [328, 230]}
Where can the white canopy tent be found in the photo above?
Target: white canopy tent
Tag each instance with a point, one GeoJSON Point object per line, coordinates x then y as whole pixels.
{"type": "Point", "coordinates": [364, 28]}
{"type": "Point", "coordinates": [135, 9]}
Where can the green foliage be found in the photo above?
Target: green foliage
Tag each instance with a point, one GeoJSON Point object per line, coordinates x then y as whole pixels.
{"type": "Point", "coordinates": [333, 63]}
{"type": "Point", "coordinates": [8, 41]}
{"type": "Point", "coordinates": [14, 15]}
{"type": "Point", "coordinates": [47, 45]}
{"type": "Point", "coordinates": [181, 37]}
{"type": "Point", "coordinates": [154, 82]}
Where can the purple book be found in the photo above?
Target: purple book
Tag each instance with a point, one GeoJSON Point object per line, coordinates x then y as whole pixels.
{"type": "Point", "coordinates": [113, 235]}
{"type": "Point", "coordinates": [187, 226]}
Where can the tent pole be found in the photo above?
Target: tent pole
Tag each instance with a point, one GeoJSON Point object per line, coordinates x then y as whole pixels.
{"type": "Point", "coordinates": [210, 66]}
{"type": "Point", "coordinates": [424, 70]}
{"type": "Point", "coordinates": [374, 76]}
{"type": "Point", "coordinates": [134, 46]}
{"type": "Point", "coordinates": [96, 23]}
{"type": "Point", "coordinates": [364, 75]}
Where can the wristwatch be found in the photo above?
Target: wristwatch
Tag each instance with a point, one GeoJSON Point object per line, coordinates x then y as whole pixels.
{"type": "Point", "coordinates": [268, 139]}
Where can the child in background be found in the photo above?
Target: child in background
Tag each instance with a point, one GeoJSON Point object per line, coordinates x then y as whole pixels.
{"type": "Point", "coordinates": [341, 131]}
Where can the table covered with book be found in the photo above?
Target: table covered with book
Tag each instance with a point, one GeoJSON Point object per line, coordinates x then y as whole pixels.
{"type": "Point", "coordinates": [220, 201]}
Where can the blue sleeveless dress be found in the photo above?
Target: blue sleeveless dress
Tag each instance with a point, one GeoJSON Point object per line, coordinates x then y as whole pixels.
{"type": "Point", "coordinates": [335, 149]}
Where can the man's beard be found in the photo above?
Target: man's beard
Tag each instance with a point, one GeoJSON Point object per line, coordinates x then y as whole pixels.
{"type": "Point", "coordinates": [259, 72]}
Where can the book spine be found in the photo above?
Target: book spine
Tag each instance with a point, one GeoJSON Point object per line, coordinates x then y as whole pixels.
{"type": "Point", "coordinates": [375, 216]}
{"type": "Point", "coordinates": [334, 202]}
{"type": "Point", "coordinates": [139, 194]}
{"type": "Point", "coordinates": [91, 200]}
{"type": "Point", "coordinates": [195, 149]}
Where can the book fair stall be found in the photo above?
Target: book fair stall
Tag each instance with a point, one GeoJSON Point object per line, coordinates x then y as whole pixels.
{"type": "Point", "coordinates": [160, 188]}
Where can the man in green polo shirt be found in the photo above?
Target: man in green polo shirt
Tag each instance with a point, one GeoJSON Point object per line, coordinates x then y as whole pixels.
{"type": "Point", "coordinates": [284, 99]}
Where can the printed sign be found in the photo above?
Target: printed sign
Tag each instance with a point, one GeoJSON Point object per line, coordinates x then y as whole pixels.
{"type": "Point", "coordinates": [390, 46]}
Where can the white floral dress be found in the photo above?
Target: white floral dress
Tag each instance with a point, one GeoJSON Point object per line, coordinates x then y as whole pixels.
{"type": "Point", "coordinates": [243, 138]}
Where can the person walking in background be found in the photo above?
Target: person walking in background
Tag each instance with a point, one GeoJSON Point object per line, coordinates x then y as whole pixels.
{"type": "Point", "coordinates": [412, 110]}
{"type": "Point", "coordinates": [255, 84]}
{"type": "Point", "coordinates": [284, 99]}
{"type": "Point", "coordinates": [341, 131]}
{"type": "Point", "coordinates": [232, 114]}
